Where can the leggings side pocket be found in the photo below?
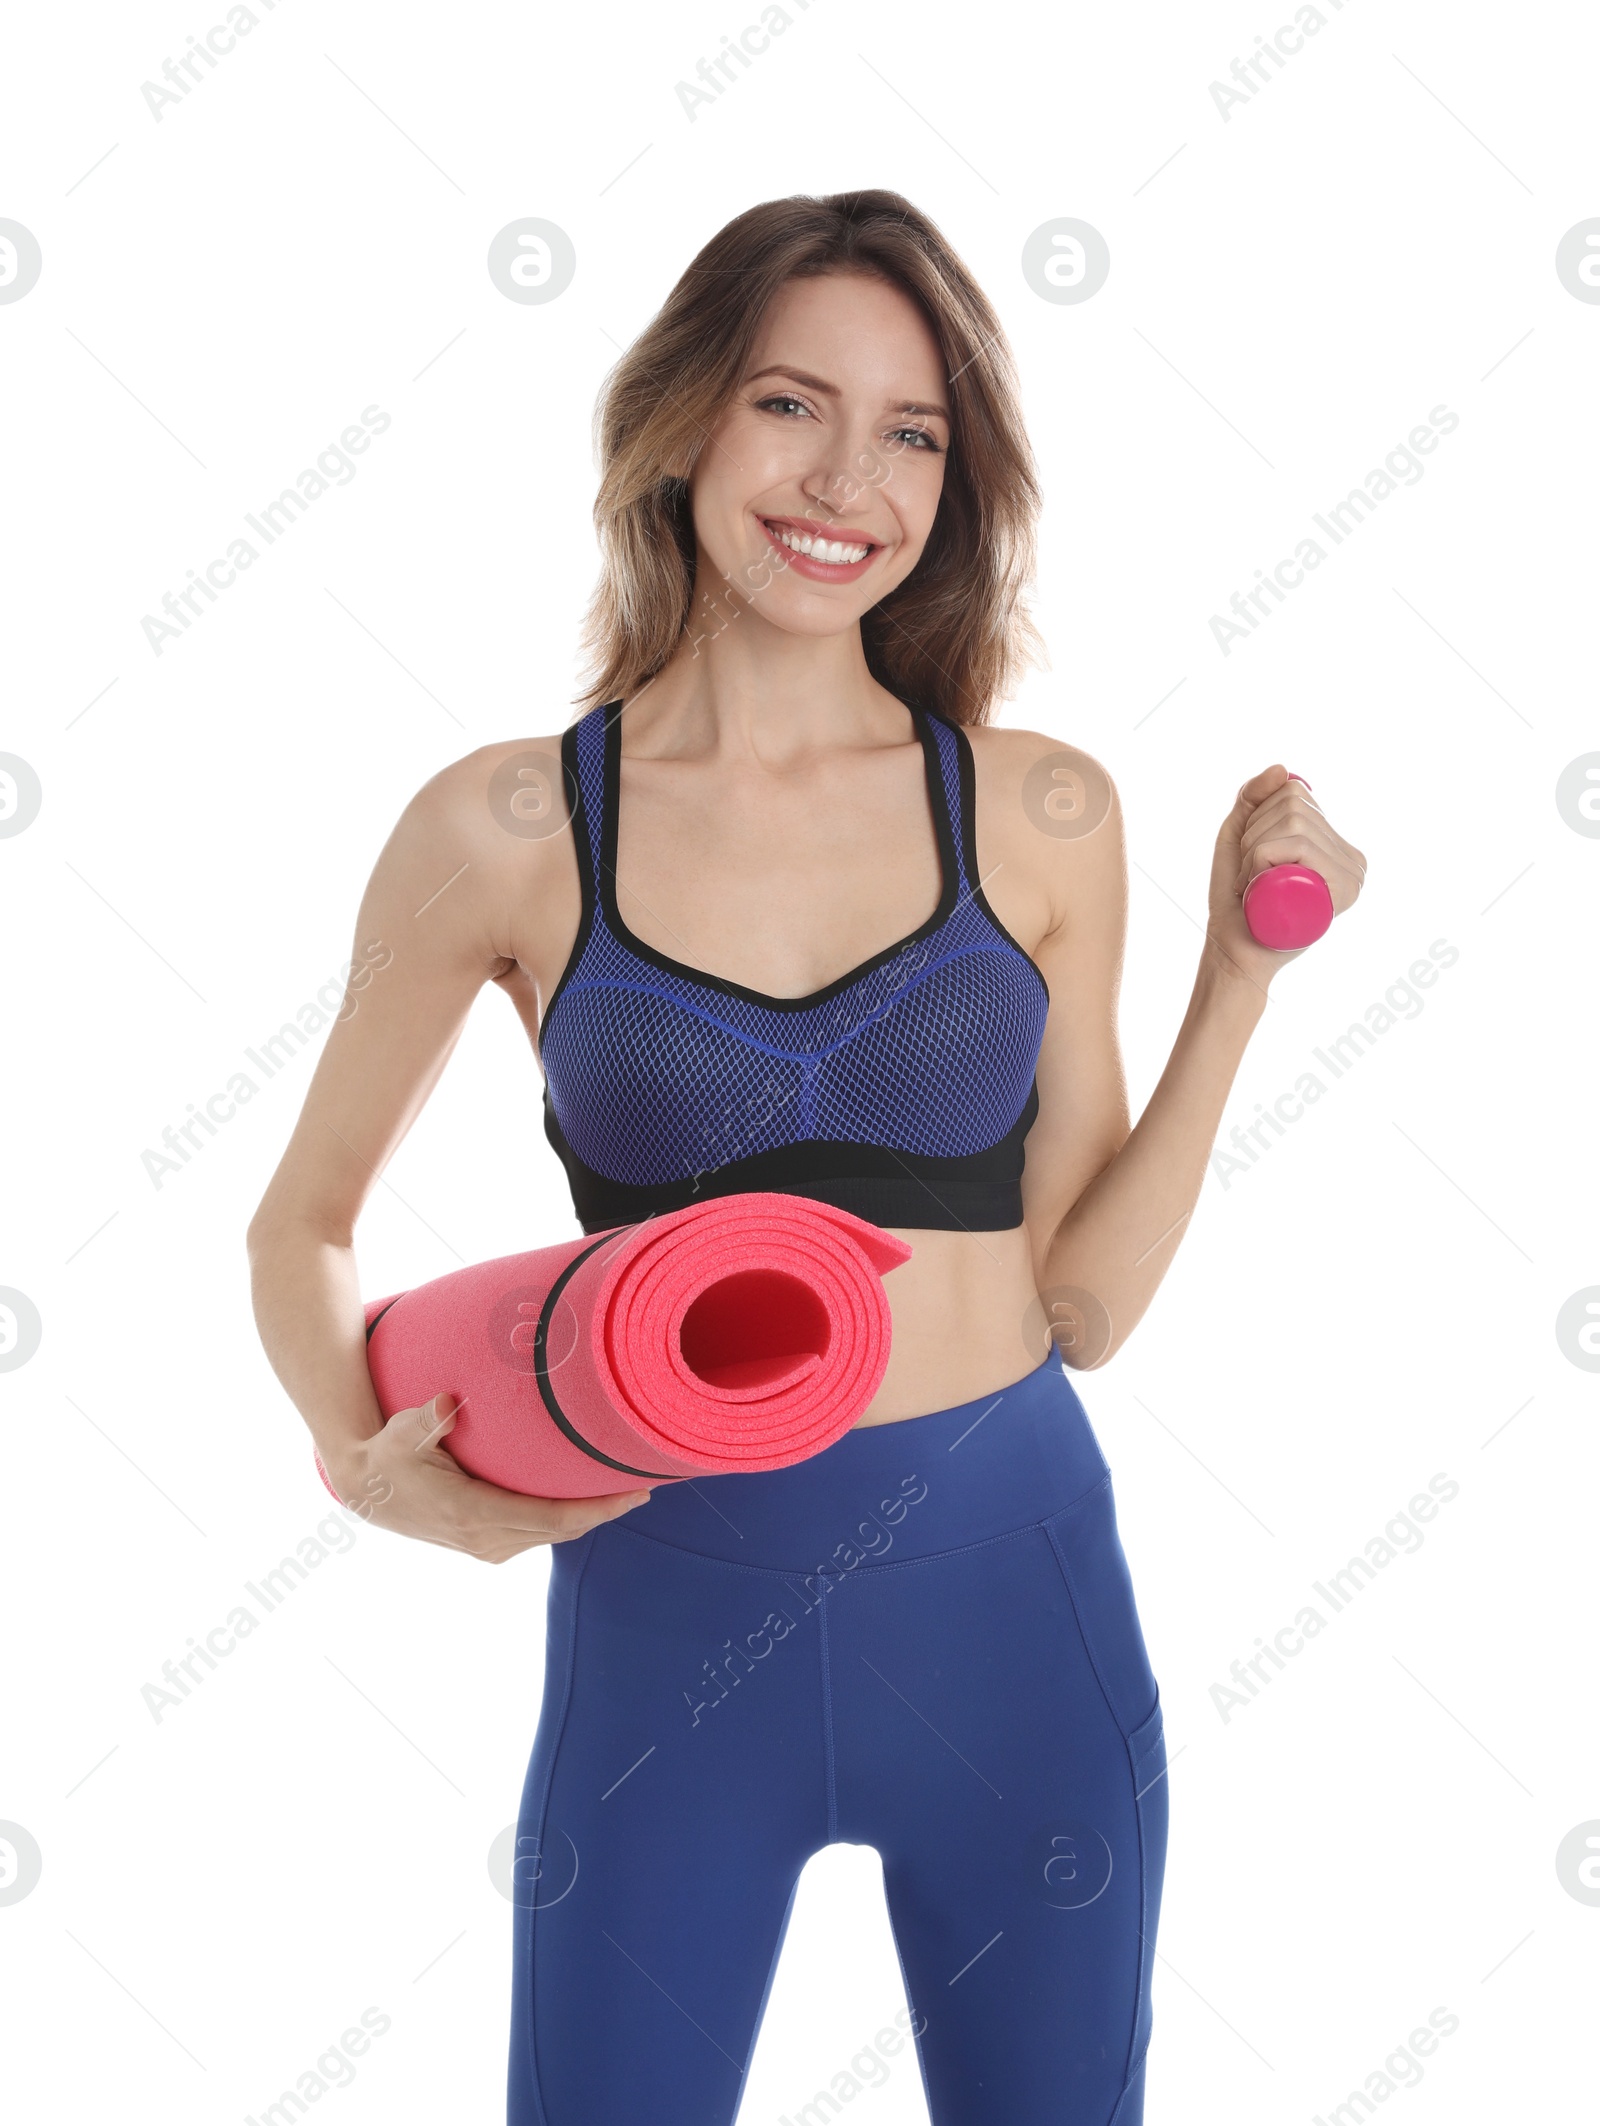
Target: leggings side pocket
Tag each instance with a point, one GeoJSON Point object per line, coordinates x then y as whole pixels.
{"type": "Point", "coordinates": [1147, 1753]}
{"type": "Point", "coordinates": [1089, 1551]}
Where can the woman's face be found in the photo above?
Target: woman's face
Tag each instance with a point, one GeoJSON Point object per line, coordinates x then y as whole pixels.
{"type": "Point", "coordinates": [835, 440]}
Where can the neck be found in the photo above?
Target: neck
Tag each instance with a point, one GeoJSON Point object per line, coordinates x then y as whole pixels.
{"type": "Point", "coordinates": [736, 685]}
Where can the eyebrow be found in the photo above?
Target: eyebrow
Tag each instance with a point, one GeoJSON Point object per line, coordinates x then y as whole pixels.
{"type": "Point", "coordinates": [817, 383]}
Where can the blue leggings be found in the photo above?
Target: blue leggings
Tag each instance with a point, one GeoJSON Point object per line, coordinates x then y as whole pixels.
{"type": "Point", "coordinates": [924, 1640]}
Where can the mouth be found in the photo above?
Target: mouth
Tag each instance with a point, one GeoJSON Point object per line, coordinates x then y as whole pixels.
{"type": "Point", "coordinates": [812, 550]}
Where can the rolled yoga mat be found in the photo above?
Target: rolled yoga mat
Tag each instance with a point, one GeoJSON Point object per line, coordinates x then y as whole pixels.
{"type": "Point", "coordinates": [744, 1333]}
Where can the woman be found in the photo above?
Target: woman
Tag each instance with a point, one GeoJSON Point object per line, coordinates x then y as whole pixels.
{"type": "Point", "coordinates": [816, 516]}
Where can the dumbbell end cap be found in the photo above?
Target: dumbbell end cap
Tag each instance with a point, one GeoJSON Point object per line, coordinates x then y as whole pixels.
{"type": "Point", "coordinates": [1287, 907]}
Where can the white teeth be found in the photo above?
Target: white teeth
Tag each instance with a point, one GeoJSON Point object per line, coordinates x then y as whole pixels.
{"type": "Point", "coordinates": [819, 549]}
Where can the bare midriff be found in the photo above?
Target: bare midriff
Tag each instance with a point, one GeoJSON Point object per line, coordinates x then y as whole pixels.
{"type": "Point", "coordinates": [967, 1319]}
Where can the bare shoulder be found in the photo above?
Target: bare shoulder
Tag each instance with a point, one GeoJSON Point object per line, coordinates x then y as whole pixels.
{"type": "Point", "coordinates": [1048, 832]}
{"type": "Point", "coordinates": [509, 792]}
{"type": "Point", "coordinates": [485, 848]}
{"type": "Point", "coordinates": [503, 809]}
{"type": "Point", "coordinates": [1048, 806]}
{"type": "Point", "coordinates": [1008, 758]}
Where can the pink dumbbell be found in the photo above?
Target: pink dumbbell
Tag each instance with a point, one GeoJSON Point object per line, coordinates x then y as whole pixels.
{"type": "Point", "coordinates": [1288, 906]}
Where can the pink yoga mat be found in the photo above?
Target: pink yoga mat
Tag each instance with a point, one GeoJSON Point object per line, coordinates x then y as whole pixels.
{"type": "Point", "coordinates": [745, 1333]}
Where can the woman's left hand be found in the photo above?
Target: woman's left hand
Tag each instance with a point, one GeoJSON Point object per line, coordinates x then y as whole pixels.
{"type": "Point", "coordinates": [1275, 820]}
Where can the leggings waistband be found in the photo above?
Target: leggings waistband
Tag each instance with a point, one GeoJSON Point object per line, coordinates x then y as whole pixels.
{"type": "Point", "coordinates": [887, 1493]}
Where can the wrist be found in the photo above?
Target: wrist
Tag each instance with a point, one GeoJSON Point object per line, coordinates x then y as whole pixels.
{"type": "Point", "coordinates": [1226, 989]}
{"type": "Point", "coordinates": [345, 1468]}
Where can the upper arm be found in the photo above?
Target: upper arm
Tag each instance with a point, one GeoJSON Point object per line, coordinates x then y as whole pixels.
{"type": "Point", "coordinates": [1064, 897]}
{"type": "Point", "coordinates": [436, 922]}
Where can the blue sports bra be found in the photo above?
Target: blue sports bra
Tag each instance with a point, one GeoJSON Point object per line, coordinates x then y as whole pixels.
{"type": "Point", "coordinates": [902, 1091]}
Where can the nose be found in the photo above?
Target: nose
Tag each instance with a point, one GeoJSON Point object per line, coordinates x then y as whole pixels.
{"type": "Point", "coordinates": [837, 490]}
{"type": "Point", "coordinates": [850, 467]}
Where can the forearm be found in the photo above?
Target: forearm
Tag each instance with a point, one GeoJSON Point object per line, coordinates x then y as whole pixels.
{"type": "Point", "coordinates": [308, 1311]}
{"type": "Point", "coordinates": [1119, 1238]}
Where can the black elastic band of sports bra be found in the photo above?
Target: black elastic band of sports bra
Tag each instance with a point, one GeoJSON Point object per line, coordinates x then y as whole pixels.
{"type": "Point", "coordinates": [977, 1192]}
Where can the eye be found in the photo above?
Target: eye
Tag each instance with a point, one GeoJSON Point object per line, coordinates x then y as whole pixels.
{"type": "Point", "coordinates": [924, 437]}
{"type": "Point", "coordinates": [783, 398]}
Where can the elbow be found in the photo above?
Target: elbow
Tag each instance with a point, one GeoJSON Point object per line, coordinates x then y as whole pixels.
{"type": "Point", "coordinates": [276, 1222]}
{"type": "Point", "coordinates": [265, 1220]}
{"type": "Point", "coordinates": [1081, 1326]}
{"type": "Point", "coordinates": [1087, 1361]}
{"type": "Point", "coordinates": [258, 1238]}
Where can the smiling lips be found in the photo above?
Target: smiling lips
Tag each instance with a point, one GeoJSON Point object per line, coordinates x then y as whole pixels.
{"type": "Point", "coordinates": [810, 550]}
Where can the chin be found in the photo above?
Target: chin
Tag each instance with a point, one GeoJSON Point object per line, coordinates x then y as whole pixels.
{"type": "Point", "coordinates": [820, 617]}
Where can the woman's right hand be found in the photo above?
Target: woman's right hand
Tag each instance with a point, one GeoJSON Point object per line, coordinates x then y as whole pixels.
{"type": "Point", "coordinates": [401, 1478]}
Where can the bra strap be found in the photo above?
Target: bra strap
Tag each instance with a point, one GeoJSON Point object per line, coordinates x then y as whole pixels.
{"type": "Point", "coordinates": [583, 757]}
{"type": "Point", "coordinates": [955, 781]}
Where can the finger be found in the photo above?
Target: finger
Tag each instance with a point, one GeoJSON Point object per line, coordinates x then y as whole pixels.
{"type": "Point", "coordinates": [1313, 831]}
{"type": "Point", "coordinates": [1291, 801]}
{"type": "Point", "coordinates": [487, 1505]}
{"type": "Point", "coordinates": [1283, 817]}
{"type": "Point", "coordinates": [1262, 784]}
{"type": "Point", "coordinates": [421, 1432]}
{"type": "Point", "coordinates": [1266, 784]}
{"type": "Point", "coordinates": [438, 1416]}
{"type": "Point", "coordinates": [1259, 790]}
{"type": "Point", "coordinates": [1328, 848]}
{"type": "Point", "coordinates": [423, 1423]}
{"type": "Point", "coordinates": [1277, 849]}
{"type": "Point", "coordinates": [1342, 882]}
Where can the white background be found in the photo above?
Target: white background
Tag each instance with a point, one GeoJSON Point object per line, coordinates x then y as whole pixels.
{"type": "Point", "coordinates": [1370, 236]}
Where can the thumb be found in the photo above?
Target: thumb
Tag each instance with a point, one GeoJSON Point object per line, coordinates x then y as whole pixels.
{"type": "Point", "coordinates": [433, 1419]}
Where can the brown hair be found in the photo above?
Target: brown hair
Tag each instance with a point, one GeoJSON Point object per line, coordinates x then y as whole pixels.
{"type": "Point", "coordinates": [955, 634]}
